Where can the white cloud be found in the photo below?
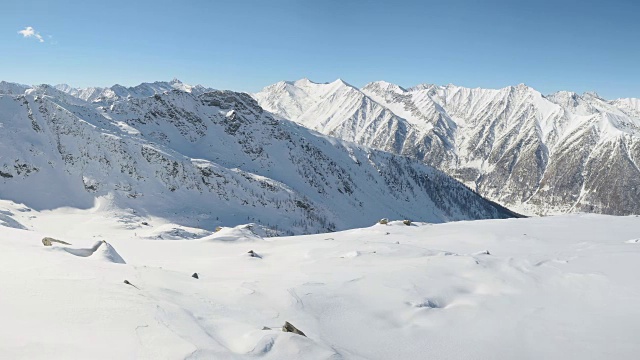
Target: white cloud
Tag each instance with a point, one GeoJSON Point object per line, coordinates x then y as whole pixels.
{"type": "Point", "coordinates": [31, 32]}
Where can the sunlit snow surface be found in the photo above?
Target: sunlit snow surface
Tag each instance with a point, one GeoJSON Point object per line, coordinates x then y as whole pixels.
{"type": "Point", "coordinates": [539, 288]}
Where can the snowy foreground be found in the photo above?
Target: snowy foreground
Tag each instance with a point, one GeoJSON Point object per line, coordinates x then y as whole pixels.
{"type": "Point", "coordinates": [549, 288]}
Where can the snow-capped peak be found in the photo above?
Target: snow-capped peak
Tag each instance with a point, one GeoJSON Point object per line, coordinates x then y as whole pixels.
{"type": "Point", "coordinates": [384, 86]}
{"type": "Point", "coordinates": [510, 144]}
{"type": "Point", "coordinates": [117, 91]}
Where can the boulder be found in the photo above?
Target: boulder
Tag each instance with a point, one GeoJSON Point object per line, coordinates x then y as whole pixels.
{"type": "Point", "coordinates": [288, 327]}
{"type": "Point", "coordinates": [48, 241]}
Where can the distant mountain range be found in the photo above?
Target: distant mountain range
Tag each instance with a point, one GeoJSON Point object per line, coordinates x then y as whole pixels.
{"type": "Point", "coordinates": [203, 158]}
{"type": "Point", "coordinates": [537, 154]}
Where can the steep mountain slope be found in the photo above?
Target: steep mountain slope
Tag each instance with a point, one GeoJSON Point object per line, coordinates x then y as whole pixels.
{"type": "Point", "coordinates": [340, 110]}
{"type": "Point", "coordinates": [539, 154]}
{"type": "Point", "coordinates": [209, 159]}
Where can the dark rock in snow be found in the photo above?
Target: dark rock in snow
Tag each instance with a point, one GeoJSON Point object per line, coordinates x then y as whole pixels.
{"type": "Point", "coordinates": [47, 241]}
{"type": "Point", "coordinates": [288, 327]}
{"type": "Point", "coordinates": [128, 283]}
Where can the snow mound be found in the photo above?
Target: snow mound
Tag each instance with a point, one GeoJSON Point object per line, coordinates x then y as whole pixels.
{"type": "Point", "coordinates": [247, 232]}
{"type": "Point", "coordinates": [633, 241]}
{"type": "Point", "coordinates": [107, 252]}
{"type": "Point", "coordinates": [177, 232]}
{"type": "Point", "coordinates": [101, 250]}
{"type": "Point", "coordinates": [290, 346]}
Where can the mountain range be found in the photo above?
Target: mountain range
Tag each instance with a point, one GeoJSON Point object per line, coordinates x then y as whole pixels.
{"type": "Point", "coordinates": [534, 153]}
{"type": "Point", "coordinates": [203, 158]}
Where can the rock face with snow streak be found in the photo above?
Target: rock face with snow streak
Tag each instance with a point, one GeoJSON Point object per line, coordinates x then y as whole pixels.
{"type": "Point", "coordinates": [539, 154]}
{"type": "Point", "coordinates": [209, 158]}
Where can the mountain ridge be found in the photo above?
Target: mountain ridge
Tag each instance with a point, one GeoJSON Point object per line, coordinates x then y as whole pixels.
{"type": "Point", "coordinates": [539, 154]}
{"type": "Point", "coordinates": [210, 159]}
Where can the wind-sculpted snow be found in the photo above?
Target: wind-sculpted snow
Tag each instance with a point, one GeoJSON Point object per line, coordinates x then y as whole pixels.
{"type": "Point", "coordinates": [209, 159]}
{"type": "Point", "coordinates": [540, 154]}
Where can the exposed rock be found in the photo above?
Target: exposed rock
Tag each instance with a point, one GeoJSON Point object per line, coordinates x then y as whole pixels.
{"type": "Point", "coordinates": [288, 327]}
{"type": "Point", "coordinates": [128, 283]}
{"type": "Point", "coordinates": [48, 241]}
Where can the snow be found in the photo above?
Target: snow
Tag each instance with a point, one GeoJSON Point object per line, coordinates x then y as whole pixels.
{"type": "Point", "coordinates": [215, 159]}
{"type": "Point", "coordinates": [507, 143]}
{"type": "Point", "coordinates": [552, 288]}
{"type": "Point", "coordinates": [117, 92]}
{"type": "Point", "coordinates": [237, 233]}
{"type": "Point", "coordinates": [101, 250]}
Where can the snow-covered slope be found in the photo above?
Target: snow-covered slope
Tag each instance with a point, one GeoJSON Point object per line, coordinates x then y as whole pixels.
{"type": "Point", "coordinates": [540, 154]}
{"type": "Point", "coordinates": [208, 159]}
{"type": "Point", "coordinates": [629, 104]}
{"type": "Point", "coordinates": [539, 288]}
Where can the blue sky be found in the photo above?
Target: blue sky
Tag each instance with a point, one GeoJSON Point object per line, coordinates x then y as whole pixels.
{"type": "Point", "coordinates": [245, 45]}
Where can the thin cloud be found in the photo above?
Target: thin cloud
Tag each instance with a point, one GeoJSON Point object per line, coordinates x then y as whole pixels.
{"type": "Point", "coordinates": [30, 32]}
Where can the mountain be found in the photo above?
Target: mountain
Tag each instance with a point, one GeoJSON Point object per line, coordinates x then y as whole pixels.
{"type": "Point", "coordinates": [539, 154]}
{"type": "Point", "coordinates": [12, 88]}
{"type": "Point", "coordinates": [208, 158]}
{"type": "Point", "coordinates": [117, 92]}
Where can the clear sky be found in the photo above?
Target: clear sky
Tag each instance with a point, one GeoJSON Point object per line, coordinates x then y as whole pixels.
{"type": "Point", "coordinates": [247, 44]}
